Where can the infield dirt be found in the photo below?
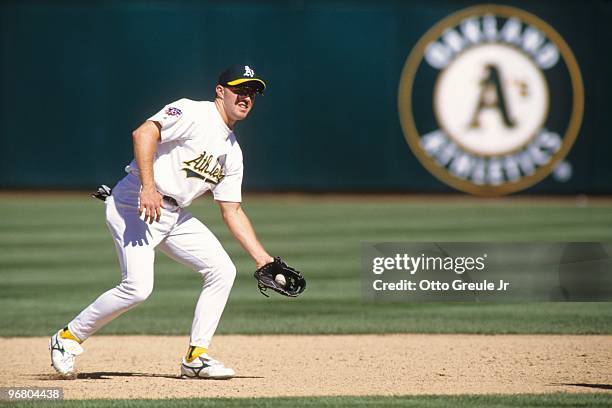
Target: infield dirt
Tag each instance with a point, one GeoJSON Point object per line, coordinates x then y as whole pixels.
{"type": "Point", "coordinates": [126, 367]}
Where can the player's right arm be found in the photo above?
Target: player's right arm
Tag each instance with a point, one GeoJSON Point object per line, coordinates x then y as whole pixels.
{"type": "Point", "coordinates": [145, 139]}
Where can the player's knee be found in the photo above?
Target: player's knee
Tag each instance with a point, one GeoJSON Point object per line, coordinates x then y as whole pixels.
{"type": "Point", "coordinates": [141, 294]}
{"type": "Point", "coordinates": [223, 273]}
{"type": "Point", "coordinates": [136, 292]}
{"type": "Point", "coordinates": [226, 273]}
{"type": "Point", "coordinates": [230, 273]}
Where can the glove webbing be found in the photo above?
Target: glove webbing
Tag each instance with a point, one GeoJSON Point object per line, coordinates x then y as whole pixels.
{"type": "Point", "coordinates": [262, 288]}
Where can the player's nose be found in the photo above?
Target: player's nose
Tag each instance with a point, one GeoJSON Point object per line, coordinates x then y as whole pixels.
{"type": "Point", "coordinates": [245, 98]}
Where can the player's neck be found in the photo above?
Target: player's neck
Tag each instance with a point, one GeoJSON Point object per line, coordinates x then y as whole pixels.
{"type": "Point", "coordinates": [230, 123]}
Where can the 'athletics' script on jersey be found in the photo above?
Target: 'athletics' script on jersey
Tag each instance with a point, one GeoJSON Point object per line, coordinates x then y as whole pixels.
{"type": "Point", "coordinates": [202, 167]}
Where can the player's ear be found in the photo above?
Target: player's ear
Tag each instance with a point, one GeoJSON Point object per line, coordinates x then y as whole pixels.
{"type": "Point", "coordinates": [220, 91]}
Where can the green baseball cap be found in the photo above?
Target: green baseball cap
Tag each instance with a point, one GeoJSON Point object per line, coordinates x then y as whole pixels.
{"type": "Point", "coordinates": [237, 75]}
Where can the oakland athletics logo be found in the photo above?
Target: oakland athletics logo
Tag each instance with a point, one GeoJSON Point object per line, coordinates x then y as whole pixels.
{"type": "Point", "coordinates": [202, 167]}
{"type": "Point", "coordinates": [507, 100]}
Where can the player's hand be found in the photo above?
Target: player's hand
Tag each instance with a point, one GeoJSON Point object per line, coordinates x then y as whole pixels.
{"type": "Point", "coordinates": [263, 261]}
{"type": "Point", "coordinates": [150, 204]}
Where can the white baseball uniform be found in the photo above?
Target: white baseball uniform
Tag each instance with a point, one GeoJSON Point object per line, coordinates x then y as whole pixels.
{"type": "Point", "coordinates": [197, 153]}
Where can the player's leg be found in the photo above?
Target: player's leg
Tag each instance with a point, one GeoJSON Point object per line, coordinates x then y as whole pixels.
{"type": "Point", "coordinates": [135, 242]}
{"type": "Point", "coordinates": [136, 263]}
{"type": "Point", "coordinates": [135, 287]}
{"type": "Point", "coordinates": [194, 245]}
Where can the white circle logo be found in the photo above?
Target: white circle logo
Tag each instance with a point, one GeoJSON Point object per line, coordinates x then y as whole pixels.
{"type": "Point", "coordinates": [498, 124]}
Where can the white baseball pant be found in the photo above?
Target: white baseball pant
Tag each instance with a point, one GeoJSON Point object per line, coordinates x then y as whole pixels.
{"type": "Point", "coordinates": [179, 235]}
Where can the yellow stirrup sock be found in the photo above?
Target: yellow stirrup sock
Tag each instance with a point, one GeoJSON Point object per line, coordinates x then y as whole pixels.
{"type": "Point", "coordinates": [66, 334]}
{"type": "Point", "coordinates": [193, 352]}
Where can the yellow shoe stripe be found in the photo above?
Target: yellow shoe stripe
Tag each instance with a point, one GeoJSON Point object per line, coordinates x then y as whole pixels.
{"type": "Point", "coordinates": [66, 334]}
{"type": "Point", "coordinates": [194, 352]}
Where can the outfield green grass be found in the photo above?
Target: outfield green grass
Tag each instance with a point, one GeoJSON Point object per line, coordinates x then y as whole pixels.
{"type": "Point", "coordinates": [56, 256]}
{"type": "Point", "coordinates": [491, 401]}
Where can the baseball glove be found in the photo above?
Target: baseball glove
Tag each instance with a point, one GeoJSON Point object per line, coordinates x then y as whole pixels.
{"type": "Point", "coordinates": [294, 282]}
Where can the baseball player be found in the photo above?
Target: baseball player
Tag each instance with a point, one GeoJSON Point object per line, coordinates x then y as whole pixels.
{"type": "Point", "coordinates": [180, 153]}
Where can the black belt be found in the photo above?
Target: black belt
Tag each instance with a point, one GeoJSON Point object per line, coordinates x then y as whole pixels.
{"type": "Point", "coordinates": [170, 200]}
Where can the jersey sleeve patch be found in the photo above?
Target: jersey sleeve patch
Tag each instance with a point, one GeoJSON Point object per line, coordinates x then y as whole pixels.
{"type": "Point", "coordinates": [176, 121]}
{"type": "Point", "coordinates": [172, 111]}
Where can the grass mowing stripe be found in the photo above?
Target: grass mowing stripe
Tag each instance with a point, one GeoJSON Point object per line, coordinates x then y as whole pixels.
{"type": "Point", "coordinates": [67, 262]}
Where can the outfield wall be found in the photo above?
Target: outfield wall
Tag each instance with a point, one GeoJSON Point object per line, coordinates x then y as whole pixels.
{"type": "Point", "coordinates": [78, 77]}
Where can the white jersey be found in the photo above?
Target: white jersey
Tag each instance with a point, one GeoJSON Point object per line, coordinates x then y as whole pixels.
{"type": "Point", "coordinates": [197, 153]}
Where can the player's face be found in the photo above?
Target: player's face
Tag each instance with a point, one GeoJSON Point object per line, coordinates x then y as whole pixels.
{"type": "Point", "coordinates": [238, 102]}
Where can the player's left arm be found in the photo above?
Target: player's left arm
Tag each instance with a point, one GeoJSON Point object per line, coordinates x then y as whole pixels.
{"type": "Point", "coordinates": [241, 228]}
